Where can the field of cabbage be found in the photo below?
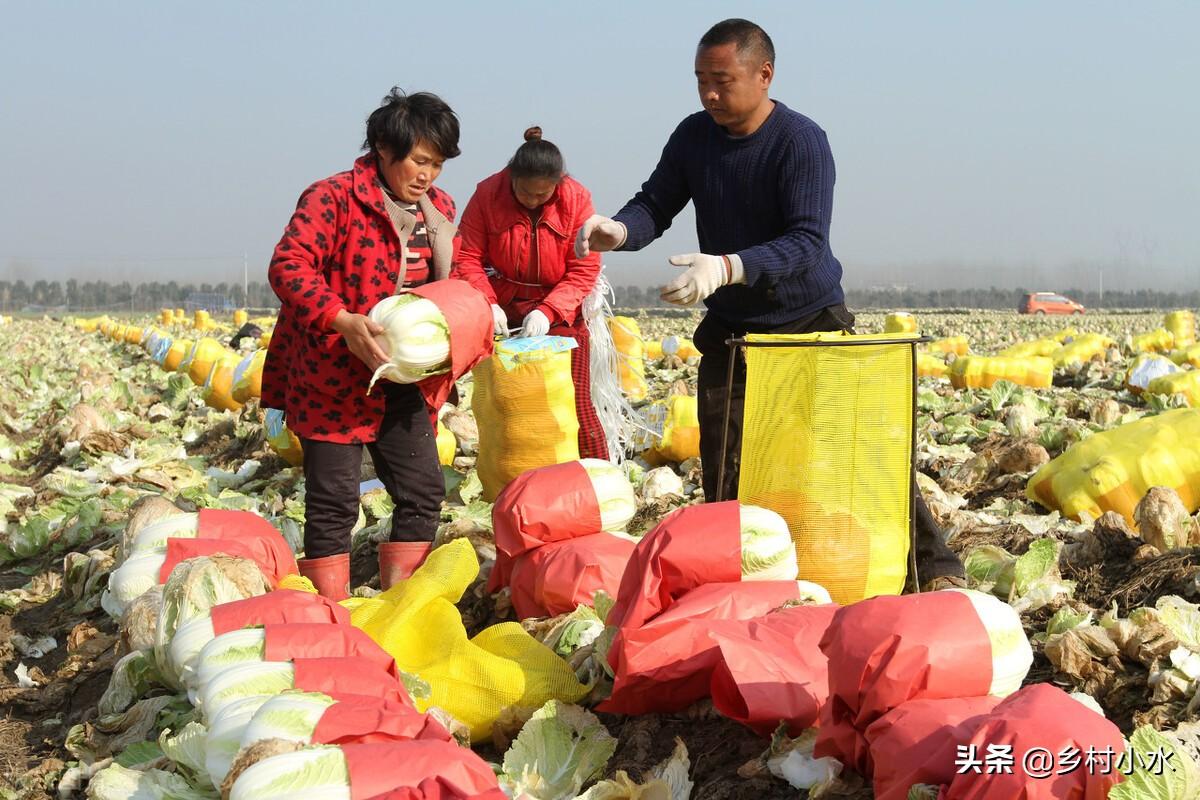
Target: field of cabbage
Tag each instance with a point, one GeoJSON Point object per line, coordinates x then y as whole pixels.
{"type": "Point", "coordinates": [91, 427]}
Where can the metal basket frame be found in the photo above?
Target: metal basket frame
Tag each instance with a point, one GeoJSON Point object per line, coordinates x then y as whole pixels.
{"type": "Point", "coordinates": [735, 346]}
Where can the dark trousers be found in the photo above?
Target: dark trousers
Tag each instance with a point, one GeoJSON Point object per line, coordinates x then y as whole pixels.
{"type": "Point", "coordinates": [933, 557]}
{"type": "Point", "coordinates": [406, 462]}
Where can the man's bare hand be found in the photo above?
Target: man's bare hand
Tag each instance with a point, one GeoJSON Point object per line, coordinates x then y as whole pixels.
{"type": "Point", "coordinates": [360, 332]}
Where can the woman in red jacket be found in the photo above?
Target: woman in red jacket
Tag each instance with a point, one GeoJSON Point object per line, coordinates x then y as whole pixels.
{"type": "Point", "coordinates": [517, 248]}
{"type": "Point", "coordinates": [356, 238]}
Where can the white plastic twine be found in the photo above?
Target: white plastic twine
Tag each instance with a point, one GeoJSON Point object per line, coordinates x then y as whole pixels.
{"type": "Point", "coordinates": [619, 420]}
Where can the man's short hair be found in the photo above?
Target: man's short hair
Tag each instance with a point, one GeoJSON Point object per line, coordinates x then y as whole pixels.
{"type": "Point", "coordinates": [403, 120]}
{"type": "Point", "coordinates": [751, 40]}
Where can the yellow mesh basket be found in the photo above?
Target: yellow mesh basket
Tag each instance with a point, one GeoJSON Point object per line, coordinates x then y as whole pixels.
{"type": "Point", "coordinates": [827, 444]}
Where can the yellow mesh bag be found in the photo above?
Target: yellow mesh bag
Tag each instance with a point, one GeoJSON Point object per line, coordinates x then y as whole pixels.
{"type": "Point", "coordinates": [930, 366]}
{"type": "Point", "coordinates": [951, 344]}
{"type": "Point", "coordinates": [678, 346]}
{"type": "Point", "coordinates": [199, 361]}
{"type": "Point", "coordinates": [447, 445]}
{"type": "Point", "coordinates": [1182, 325]}
{"type": "Point", "coordinates": [281, 438]}
{"type": "Point", "coordinates": [298, 583]}
{"type": "Point", "coordinates": [240, 317]}
{"type": "Point", "coordinates": [1190, 355]}
{"type": "Point", "coordinates": [680, 430]}
{"type": "Point", "coordinates": [247, 378]}
{"type": "Point", "coordinates": [981, 372]}
{"type": "Point", "coordinates": [417, 622]}
{"type": "Point", "coordinates": [1156, 341]}
{"type": "Point", "coordinates": [218, 387]}
{"type": "Point", "coordinates": [180, 348]}
{"type": "Point", "coordinates": [166, 316]}
{"type": "Point", "coordinates": [900, 322]}
{"type": "Point", "coordinates": [1186, 383]}
{"type": "Point", "coordinates": [1038, 347]}
{"type": "Point", "coordinates": [524, 403]}
{"type": "Point", "coordinates": [1113, 470]}
{"type": "Point", "coordinates": [1084, 348]}
{"type": "Point", "coordinates": [627, 339]}
{"type": "Point", "coordinates": [827, 444]}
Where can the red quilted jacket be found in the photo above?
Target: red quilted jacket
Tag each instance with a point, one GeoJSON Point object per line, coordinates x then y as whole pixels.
{"type": "Point", "coordinates": [340, 250]}
{"type": "Point", "coordinates": [528, 272]}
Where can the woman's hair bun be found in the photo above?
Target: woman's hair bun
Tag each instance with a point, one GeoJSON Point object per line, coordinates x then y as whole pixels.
{"type": "Point", "coordinates": [533, 134]}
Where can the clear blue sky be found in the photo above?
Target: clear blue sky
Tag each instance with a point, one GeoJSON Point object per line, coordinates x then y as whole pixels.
{"type": "Point", "coordinates": [1005, 142]}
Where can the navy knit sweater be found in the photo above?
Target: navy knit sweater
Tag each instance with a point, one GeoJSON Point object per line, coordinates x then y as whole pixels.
{"type": "Point", "coordinates": [767, 197]}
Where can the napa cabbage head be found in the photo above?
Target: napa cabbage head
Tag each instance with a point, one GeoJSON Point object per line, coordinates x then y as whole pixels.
{"type": "Point", "coordinates": [291, 715]}
{"type": "Point", "coordinates": [318, 772]}
{"type": "Point", "coordinates": [225, 731]}
{"type": "Point", "coordinates": [1012, 655]}
{"type": "Point", "coordinates": [614, 493]}
{"type": "Point", "coordinates": [768, 553]}
{"type": "Point", "coordinates": [194, 587]}
{"type": "Point", "coordinates": [227, 650]}
{"type": "Point", "coordinates": [559, 749]}
{"type": "Point", "coordinates": [415, 336]}
{"type": "Point", "coordinates": [184, 650]}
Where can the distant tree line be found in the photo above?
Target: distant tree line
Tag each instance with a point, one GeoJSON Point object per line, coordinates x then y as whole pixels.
{"type": "Point", "coordinates": [994, 298]}
{"type": "Point", "coordinates": [86, 296]}
{"type": "Point", "coordinates": [991, 298]}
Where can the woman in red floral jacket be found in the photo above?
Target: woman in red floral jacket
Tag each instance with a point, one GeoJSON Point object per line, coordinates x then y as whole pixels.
{"type": "Point", "coordinates": [518, 249]}
{"type": "Point", "coordinates": [356, 238]}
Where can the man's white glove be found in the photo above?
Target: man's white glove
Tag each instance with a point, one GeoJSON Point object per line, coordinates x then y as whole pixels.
{"type": "Point", "coordinates": [599, 234]}
{"type": "Point", "coordinates": [499, 321]}
{"type": "Point", "coordinates": [704, 276]}
{"type": "Point", "coordinates": [536, 324]}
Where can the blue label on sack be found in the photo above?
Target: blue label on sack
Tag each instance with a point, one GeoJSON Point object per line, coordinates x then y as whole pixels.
{"type": "Point", "coordinates": [531, 349]}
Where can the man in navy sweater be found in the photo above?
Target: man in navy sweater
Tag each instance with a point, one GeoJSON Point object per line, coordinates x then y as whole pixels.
{"type": "Point", "coordinates": [761, 179]}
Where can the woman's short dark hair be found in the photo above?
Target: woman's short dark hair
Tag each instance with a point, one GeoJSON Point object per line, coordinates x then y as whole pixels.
{"type": "Point", "coordinates": [403, 120]}
{"type": "Point", "coordinates": [537, 158]}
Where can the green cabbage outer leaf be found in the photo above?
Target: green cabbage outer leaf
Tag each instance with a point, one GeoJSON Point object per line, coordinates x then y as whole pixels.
{"type": "Point", "coordinates": [1181, 618]}
{"type": "Point", "coordinates": [132, 678]}
{"type": "Point", "coordinates": [115, 782]}
{"type": "Point", "coordinates": [768, 553]}
{"type": "Point", "coordinates": [315, 773]}
{"type": "Point", "coordinates": [187, 749]}
{"type": "Point", "coordinates": [1151, 779]}
{"type": "Point", "coordinates": [561, 748]}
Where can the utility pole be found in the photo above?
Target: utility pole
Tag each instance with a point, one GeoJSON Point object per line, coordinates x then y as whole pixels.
{"type": "Point", "coordinates": [245, 280]}
{"type": "Point", "coordinates": [1101, 285]}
